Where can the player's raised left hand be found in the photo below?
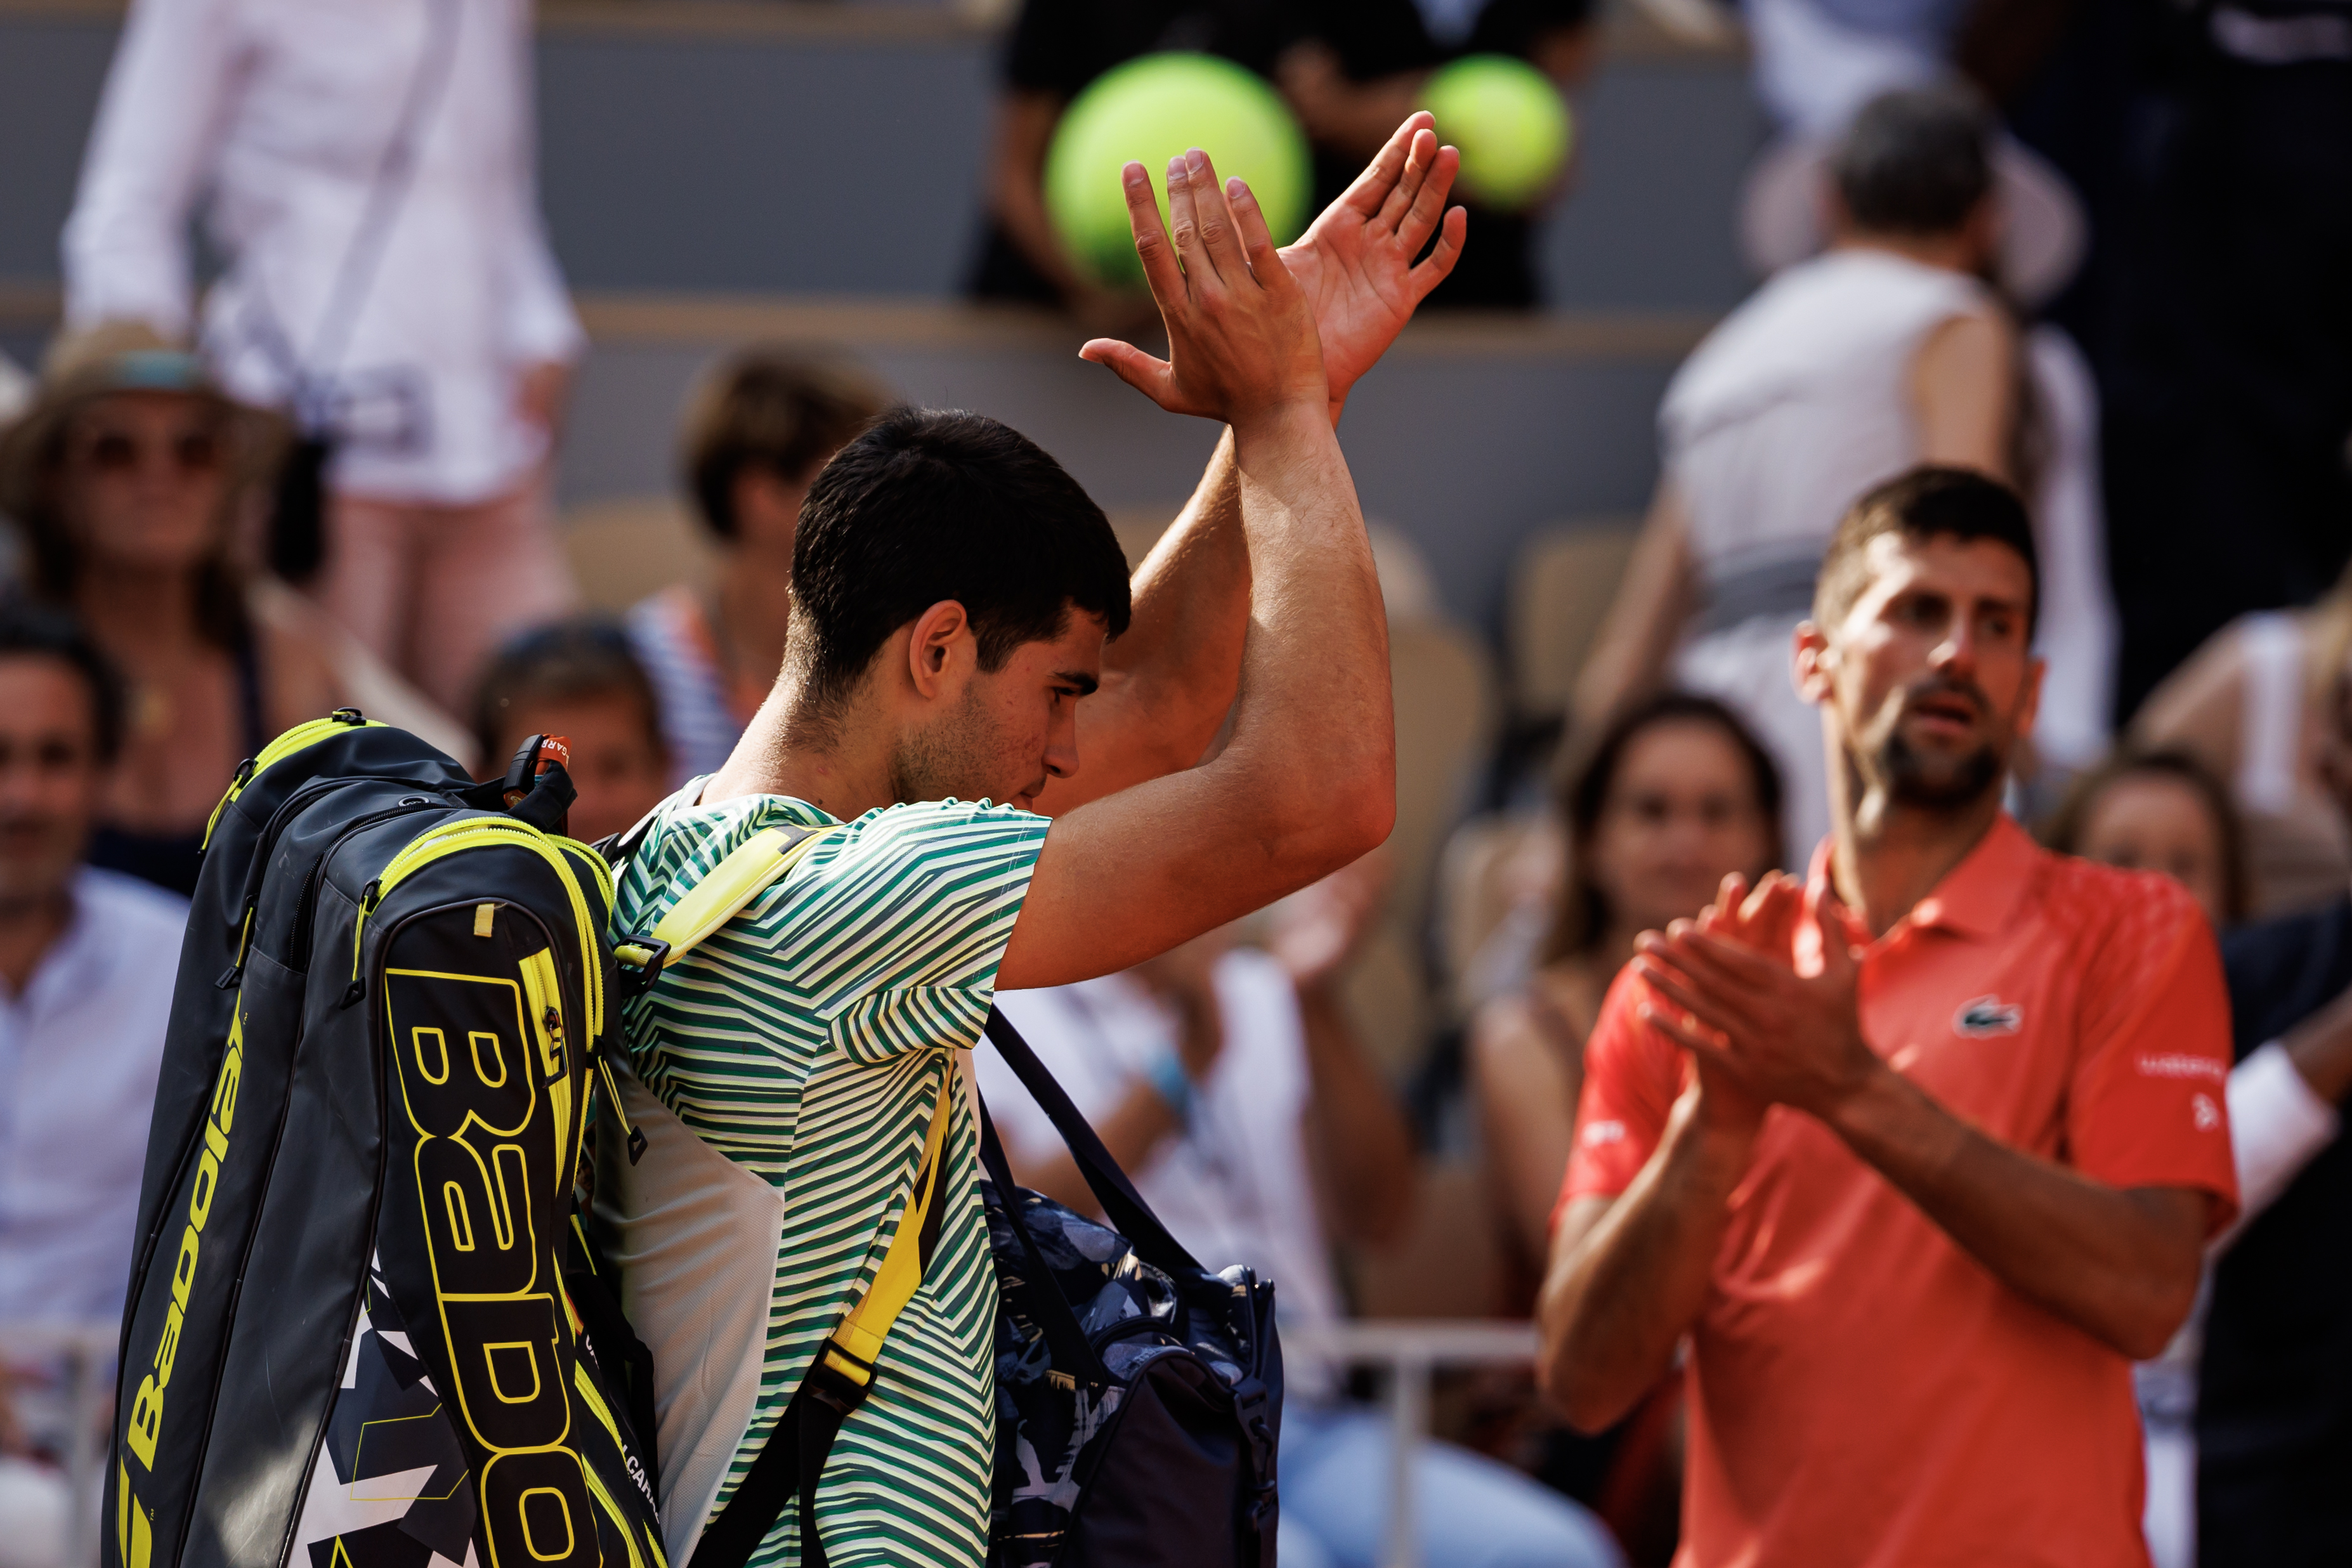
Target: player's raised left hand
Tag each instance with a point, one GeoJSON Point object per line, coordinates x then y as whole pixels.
{"type": "Point", "coordinates": [1355, 263]}
{"type": "Point", "coordinates": [1242, 343]}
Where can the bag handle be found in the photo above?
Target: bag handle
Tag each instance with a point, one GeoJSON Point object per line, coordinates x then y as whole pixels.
{"type": "Point", "coordinates": [1066, 1338]}
{"type": "Point", "coordinates": [1122, 1205]}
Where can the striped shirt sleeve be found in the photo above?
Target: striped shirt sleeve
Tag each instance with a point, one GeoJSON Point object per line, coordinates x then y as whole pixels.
{"type": "Point", "coordinates": [912, 898]}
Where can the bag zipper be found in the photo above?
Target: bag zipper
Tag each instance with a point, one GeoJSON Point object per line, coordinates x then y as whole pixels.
{"type": "Point", "coordinates": [473, 832]}
{"type": "Point", "coordinates": [297, 956]}
{"type": "Point", "coordinates": [299, 737]}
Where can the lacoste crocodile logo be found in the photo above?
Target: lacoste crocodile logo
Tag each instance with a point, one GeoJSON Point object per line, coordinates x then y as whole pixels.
{"type": "Point", "coordinates": [1986, 1016]}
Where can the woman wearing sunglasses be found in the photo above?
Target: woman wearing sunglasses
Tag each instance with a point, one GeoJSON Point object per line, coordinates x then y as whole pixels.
{"type": "Point", "coordinates": [135, 488]}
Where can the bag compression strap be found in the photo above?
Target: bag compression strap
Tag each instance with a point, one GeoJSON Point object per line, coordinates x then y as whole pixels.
{"type": "Point", "coordinates": [746, 871]}
{"type": "Point", "coordinates": [792, 1461]}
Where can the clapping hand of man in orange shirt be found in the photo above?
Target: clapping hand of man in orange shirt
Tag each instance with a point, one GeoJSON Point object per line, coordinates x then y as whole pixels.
{"type": "Point", "coordinates": [1747, 1000]}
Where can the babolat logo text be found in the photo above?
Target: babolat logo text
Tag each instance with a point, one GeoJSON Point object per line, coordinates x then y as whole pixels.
{"type": "Point", "coordinates": [147, 1405]}
{"type": "Point", "coordinates": [1988, 1016]}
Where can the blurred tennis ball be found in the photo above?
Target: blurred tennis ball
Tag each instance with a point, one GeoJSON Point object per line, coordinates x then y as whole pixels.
{"type": "Point", "coordinates": [1147, 111]}
{"type": "Point", "coordinates": [1510, 123]}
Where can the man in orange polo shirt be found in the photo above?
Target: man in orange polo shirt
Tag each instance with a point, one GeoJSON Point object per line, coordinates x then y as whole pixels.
{"type": "Point", "coordinates": [1920, 1154]}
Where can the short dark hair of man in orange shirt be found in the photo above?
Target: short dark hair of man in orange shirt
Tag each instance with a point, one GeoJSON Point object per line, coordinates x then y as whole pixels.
{"type": "Point", "coordinates": [1919, 1152]}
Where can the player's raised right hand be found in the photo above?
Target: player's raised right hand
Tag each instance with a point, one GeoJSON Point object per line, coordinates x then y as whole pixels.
{"type": "Point", "coordinates": [1241, 334]}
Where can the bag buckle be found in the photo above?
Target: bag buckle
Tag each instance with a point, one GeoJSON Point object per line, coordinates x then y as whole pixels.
{"type": "Point", "coordinates": [643, 958]}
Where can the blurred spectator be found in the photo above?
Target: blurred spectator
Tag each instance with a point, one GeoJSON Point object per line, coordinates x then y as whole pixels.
{"type": "Point", "coordinates": [370, 176]}
{"type": "Point", "coordinates": [759, 429]}
{"type": "Point", "coordinates": [1887, 350]}
{"type": "Point", "coordinates": [1676, 797]}
{"type": "Point", "coordinates": [1226, 1080]}
{"type": "Point", "coordinates": [127, 476]}
{"type": "Point", "coordinates": [2160, 811]}
{"type": "Point", "coordinates": [1055, 48]}
{"type": "Point", "coordinates": [2252, 706]}
{"type": "Point", "coordinates": [1815, 62]}
{"type": "Point", "coordinates": [87, 965]}
{"type": "Point", "coordinates": [1352, 68]}
{"type": "Point", "coordinates": [578, 679]}
{"type": "Point", "coordinates": [2273, 1411]}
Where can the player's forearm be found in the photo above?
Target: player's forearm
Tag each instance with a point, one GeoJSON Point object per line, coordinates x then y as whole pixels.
{"type": "Point", "coordinates": [1181, 657]}
{"type": "Point", "coordinates": [2121, 1266]}
{"type": "Point", "coordinates": [1622, 1291]}
{"type": "Point", "coordinates": [1313, 755]}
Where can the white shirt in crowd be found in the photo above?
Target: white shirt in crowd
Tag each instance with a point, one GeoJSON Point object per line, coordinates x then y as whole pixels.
{"type": "Point", "coordinates": [1793, 407]}
{"type": "Point", "coordinates": [79, 1049]}
{"type": "Point", "coordinates": [290, 117]}
{"type": "Point", "coordinates": [1236, 1186]}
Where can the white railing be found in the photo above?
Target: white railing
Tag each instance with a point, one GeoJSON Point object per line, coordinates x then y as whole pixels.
{"type": "Point", "coordinates": [1410, 1349]}
{"type": "Point", "coordinates": [88, 1351]}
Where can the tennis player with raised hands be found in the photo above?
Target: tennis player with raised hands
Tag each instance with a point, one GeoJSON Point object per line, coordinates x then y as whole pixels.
{"type": "Point", "coordinates": [964, 634]}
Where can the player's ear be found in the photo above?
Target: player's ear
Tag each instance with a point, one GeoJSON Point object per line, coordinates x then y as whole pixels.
{"type": "Point", "coordinates": [939, 642]}
{"type": "Point", "coordinates": [1811, 662]}
{"type": "Point", "coordinates": [2029, 700]}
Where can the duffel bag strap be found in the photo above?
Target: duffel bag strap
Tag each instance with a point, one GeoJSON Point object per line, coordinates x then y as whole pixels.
{"type": "Point", "coordinates": [793, 1458]}
{"type": "Point", "coordinates": [1122, 1206]}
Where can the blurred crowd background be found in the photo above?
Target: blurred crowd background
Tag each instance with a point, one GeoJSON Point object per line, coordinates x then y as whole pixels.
{"type": "Point", "coordinates": [466, 365]}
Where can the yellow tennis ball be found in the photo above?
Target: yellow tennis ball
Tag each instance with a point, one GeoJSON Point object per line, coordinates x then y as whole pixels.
{"type": "Point", "coordinates": [1147, 111]}
{"type": "Point", "coordinates": [1510, 123]}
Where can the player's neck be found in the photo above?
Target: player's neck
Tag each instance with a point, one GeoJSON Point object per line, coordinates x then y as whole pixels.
{"type": "Point", "coordinates": [842, 768]}
{"type": "Point", "coordinates": [1886, 856]}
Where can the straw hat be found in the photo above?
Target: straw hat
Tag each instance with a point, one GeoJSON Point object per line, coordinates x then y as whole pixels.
{"type": "Point", "coordinates": [2043, 231]}
{"type": "Point", "coordinates": [112, 357]}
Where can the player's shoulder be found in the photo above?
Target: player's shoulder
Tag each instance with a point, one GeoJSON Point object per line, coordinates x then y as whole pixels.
{"type": "Point", "coordinates": [1620, 1038]}
{"type": "Point", "coordinates": [932, 832]}
{"type": "Point", "coordinates": [2142, 917]}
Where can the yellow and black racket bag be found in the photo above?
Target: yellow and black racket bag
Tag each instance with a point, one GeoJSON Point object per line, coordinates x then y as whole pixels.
{"type": "Point", "coordinates": [364, 1329]}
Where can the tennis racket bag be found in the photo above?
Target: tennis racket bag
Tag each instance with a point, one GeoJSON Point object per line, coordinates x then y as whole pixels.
{"type": "Point", "coordinates": [363, 1331]}
{"type": "Point", "coordinates": [1138, 1396]}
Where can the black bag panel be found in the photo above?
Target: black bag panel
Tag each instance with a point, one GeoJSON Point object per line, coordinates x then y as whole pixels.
{"type": "Point", "coordinates": [244, 829]}
{"type": "Point", "coordinates": [184, 1300]}
{"type": "Point", "coordinates": [1172, 1457]}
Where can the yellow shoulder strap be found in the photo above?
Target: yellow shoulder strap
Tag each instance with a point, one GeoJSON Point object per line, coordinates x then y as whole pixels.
{"type": "Point", "coordinates": [851, 1347]}
{"type": "Point", "coordinates": [751, 867]}
{"type": "Point", "coordinates": [748, 869]}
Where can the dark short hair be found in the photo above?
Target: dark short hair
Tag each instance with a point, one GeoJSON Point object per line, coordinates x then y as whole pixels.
{"type": "Point", "coordinates": [1581, 922]}
{"type": "Point", "coordinates": [1960, 503]}
{"type": "Point", "coordinates": [28, 631]}
{"type": "Point", "coordinates": [935, 504]}
{"type": "Point", "coordinates": [1914, 162]}
{"type": "Point", "coordinates": [2064, 830]}
{"type": "Point", "coordinates": [784, 410]}
{"type": "Point", "coordinates": [575, 660]}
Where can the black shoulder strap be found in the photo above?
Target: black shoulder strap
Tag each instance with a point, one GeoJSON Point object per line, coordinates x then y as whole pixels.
{"type": "Point", "coordinates": [1122, 1205]}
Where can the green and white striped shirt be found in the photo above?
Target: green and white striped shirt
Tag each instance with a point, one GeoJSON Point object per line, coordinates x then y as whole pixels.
{"type": "Point", "coordinates": [785, 1077]}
